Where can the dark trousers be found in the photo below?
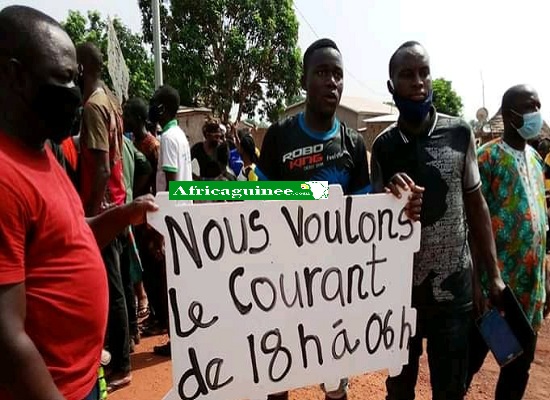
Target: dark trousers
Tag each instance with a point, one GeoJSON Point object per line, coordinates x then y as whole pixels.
{"type": "Point", "coordinates": [129, 293]}
{"type": "Point", "coordinates": [513, 378]}
{"type": "Point", "coordinates": [94, 394]}
{"type": "Point", "coordinates": [117, 327]}
{"type": "Point", "coordinates": [154, 281]}
{"type": "Point", "coordinates": [447, 338]}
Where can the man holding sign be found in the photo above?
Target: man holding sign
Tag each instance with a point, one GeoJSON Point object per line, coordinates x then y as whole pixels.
{"type": "Point", "coordinates": [315, 145]}
{"type": "Point", "coordinates": [439, 154]}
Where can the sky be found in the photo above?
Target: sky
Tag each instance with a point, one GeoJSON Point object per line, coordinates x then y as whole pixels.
{"type": "Point", "coordinates": [501, 41]}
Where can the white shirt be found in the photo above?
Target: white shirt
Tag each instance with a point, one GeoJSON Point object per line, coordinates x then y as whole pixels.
{"type": "Point", "coordinates": [175, 155]}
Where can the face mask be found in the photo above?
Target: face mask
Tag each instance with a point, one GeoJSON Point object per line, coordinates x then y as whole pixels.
{"type": "Point", "coordinates": [532, 125]}
{"type": "Point", "coordinates": [57, 110]}
{"type": "Point", "coordinates": [155, 111]}
{"type": "Point", "coordinates": [413, 111]}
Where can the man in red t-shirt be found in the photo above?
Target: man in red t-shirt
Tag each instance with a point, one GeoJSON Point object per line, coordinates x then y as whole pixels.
{"type": "Point", "coordinates": [101, 187]}
{"type": "Point", "coordinates": [53, 286]}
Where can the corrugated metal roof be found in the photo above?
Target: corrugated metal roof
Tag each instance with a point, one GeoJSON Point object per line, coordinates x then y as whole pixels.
{"type": "Point", "coordinates": [359, 105]}
{"type": "Point", "coordinates": [184, 110]}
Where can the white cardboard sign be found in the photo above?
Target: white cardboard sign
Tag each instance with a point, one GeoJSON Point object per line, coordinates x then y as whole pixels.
{"type": "Point", "coordinates": [267, 296]}
{"type": "Point", "coordinates": [117, 65]}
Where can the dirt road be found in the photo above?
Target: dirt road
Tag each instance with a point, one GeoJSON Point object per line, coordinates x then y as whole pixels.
{"type": "Point", "coordinates": [152, 378]}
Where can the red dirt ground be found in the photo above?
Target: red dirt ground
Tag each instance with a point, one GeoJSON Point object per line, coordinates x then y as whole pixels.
{"type": "Point", "coordinates": [152, 378]}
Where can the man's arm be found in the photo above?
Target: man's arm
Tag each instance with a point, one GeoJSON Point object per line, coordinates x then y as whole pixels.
{"type": "Point", "coordinates": [142, 173]}
{"type": "Point", "coordinates": [479, 222]}
{"type": "Point", "coordinates": [195, 166]}
{"type": "Point", "coordinates": [360, 178]}
{"type": "Point", "coordinates": [101, 171]}
{"type": "Point", "coordinates": [169, 159]}
{"type": "Point", "coordinates": [107, 225]}
{"type": "Point", "coordinates": [22, 369]}
{"type": "Point", "coordinates": [477, 177]}
{"type": "Point", "coordinates": [170, 176]}
{"type": "Point", "coordinates": [95, 123]}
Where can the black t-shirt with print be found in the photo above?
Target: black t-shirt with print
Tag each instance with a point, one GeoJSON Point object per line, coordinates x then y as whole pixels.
{"type": "Point", "coordinates": [291, 152]}
{"type": "Point", "coordinates": [209, 168]}
{"type": "Point", "coordinates": [444, 162]}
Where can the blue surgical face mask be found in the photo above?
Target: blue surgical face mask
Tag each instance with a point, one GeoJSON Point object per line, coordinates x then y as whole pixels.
{"type": "Point", "coordinates": [413, 111]}
{"type": "Point", "coordinates": [532, 125]}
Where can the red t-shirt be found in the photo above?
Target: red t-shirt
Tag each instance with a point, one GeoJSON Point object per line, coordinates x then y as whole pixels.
{"type": "Point", "coordinates": [46, 243]}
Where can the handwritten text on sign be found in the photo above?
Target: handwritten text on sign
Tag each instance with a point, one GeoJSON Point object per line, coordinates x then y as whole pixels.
{"type": "Point", "coordinates": [268, 296]}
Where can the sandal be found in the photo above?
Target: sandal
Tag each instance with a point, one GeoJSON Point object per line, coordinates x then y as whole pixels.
{"type": "Point", "coordinates": [143, 311]}
{"type": "Point", "coordinates": [119, 383]}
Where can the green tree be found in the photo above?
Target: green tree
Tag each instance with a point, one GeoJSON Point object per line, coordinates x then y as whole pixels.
{"type": "Point", "coordinates": [445, 99]}
{"type": "Point", "coordinates": [140, 65]}
{"type": "Point", "coordinates": [224, 52]}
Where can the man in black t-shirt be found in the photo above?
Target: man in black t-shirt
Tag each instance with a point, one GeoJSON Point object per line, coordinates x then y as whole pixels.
{"type": "Point", "coordinates": [315, 145]}
{"type": "Point", "coordinates": [439, 154]}
{"type": "Point", "coordinates": [205, 152]}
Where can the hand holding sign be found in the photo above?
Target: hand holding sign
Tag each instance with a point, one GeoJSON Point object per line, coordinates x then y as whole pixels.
{"type": "Point", "coordinates": [267, 296]}
{"type": "Point", "coordinates": [402, 181]}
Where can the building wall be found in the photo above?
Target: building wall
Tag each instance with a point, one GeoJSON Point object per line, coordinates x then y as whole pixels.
{"type": "Point", "coordinates": [294, 110]}
{"type": "Point", "coordinates": [191, 123]}
{"type": "Point", "coordinates": [372, 131]}
{"type": "Point", "coordinates": [350, 118]}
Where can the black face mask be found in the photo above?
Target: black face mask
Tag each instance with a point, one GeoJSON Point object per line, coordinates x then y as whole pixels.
{"type": "Point", "coordinates": [155, 112]}
{"type": "Point", "coordinates": [57, 110]}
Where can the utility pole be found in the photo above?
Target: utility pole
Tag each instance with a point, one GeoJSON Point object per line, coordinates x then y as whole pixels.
{"type": "Point", "coordinates": [157, 50]}
{"type": "Point", "coordinates": [482, 88]}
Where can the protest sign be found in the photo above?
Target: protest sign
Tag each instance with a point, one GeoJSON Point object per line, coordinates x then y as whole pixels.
{"type": "Point", "coordinates": [267, 296]}
{"type": "Point", "coordinates": [118, 71]}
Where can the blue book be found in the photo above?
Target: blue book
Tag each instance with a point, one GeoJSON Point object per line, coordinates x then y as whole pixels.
{"type": "Point", "coordinates": [499, 337]}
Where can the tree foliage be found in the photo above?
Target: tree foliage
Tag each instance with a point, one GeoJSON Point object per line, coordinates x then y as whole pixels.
{"type": "Point", "coordinates": [220, 53]}
{"type": "Point", "coordinates": [445, 99]}
{"type": "Point", "coordinates": [139, 62]}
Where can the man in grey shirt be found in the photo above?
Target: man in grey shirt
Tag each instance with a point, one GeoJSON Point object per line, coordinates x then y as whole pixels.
{"type": "Point", "coordinates": [437, 153]}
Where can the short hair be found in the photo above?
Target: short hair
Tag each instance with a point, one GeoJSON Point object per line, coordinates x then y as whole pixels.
{"type": "Point", "coordinates": [90, 56]}
{"type": "Point", "coordinates": [211, 125]}
{"type": "Point", "coordinates": [509, 97]}
{"type": "Point", "coordinates": [136, 106]}
{"type": "Point", "coordinates": [318, 44]}
{"type": "Point", "coordinates": [169, 97]}
{"type": "Point", "coordinates": [248, 146]}
{"type": "Point", "coordinates": [393, 58]}
{"type": "Point", "coordinates": [20, 35]}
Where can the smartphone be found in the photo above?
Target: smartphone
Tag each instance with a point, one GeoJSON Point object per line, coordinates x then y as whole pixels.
{"type": "Point", "coordinates": [499, 337]}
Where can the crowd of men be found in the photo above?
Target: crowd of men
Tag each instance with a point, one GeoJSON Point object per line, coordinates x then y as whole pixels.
{"type": "Point", "coordinates": [82, 276]}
